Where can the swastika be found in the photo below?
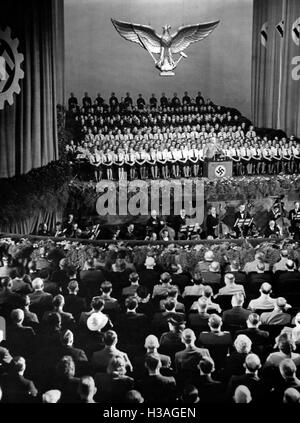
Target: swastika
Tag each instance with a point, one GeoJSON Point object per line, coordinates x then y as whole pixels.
{"type": "Point", "coordinates": [220, 171]}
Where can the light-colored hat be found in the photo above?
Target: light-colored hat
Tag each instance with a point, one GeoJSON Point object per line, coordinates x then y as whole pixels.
{"type": "Point", "coordinates": [96, 321]}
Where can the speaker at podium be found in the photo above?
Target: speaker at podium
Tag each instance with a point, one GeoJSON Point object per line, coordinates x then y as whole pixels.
{"type": "Point", "coordinates": [217, 170]}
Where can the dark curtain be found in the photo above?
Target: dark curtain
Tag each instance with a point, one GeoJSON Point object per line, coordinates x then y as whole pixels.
{"type": "Point", "coordinates": [28, 129]}
{"type": "Point", "coordinates": [276, 53]}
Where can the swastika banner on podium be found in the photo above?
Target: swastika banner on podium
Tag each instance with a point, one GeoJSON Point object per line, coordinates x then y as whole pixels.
{"type": "Point", "coordinates": [217, 170]}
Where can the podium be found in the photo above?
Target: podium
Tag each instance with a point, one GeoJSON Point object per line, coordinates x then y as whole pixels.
{"type": "Point", "coordinates": [217, 170]}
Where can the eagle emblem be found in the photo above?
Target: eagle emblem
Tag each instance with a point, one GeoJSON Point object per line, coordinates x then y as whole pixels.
{"type": "Point", "coordinates": [166, 45]}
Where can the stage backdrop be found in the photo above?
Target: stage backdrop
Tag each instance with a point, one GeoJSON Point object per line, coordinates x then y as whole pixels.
{"type": "Point", "coordinates": [276, 65]}
{"type": "Point", "coordinates": [28, 127]}
{"type": "Point", "coordinates": [99, 60]}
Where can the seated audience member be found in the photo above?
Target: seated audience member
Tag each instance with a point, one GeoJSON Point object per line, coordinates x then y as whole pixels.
{"type": "Point", "coordinates": [67, 348]}
{"type": "Point", "coordinates": [97, 306]}
{"type": "Point", "coordinates": [209, 389]}
{"type": "Point", "coordinates": [130, 291]}
{"type": "Point", "coordinates": [65, 380]}
{"type": "Point", "coordinates": [230, 287]}
{"type": "Point", "coordinates": [58, 304]}
{"type": "Point", "coordinates": [237, 315]}
{"type": "Point", "coordinates": [51, 397]}
{"type": "Point", "coordinates": [217, 341]}
{"type": "Point", "coordinates": [207, 296]}
{"type": "Point", "coordinates": [264, 302]}
{"type": "Point", "coordinates": [16, 388]}
{"type": "Point", "coordinates": [171, 341]}
{"type": "Point", "coordinates": [235, 361]}
{"type": "Point", "coordinates": [188, 359]}
{"type": "Point", "coordinates": [40, 301]}
{"type": "Point", "coordinates": [5, 360]}
{"type": "Point", "coordinates": [152, 345]}
{"type": "Point", "coordinates": [164, 287]}
{"type": "Point", "coordinates": [235, 269]}
{"type": "Point", "coordinates": [100, 359]}
{"type": "Point", "coordinates": [250, 379]}
{"type": "Point", "coordinates": [212, 276]}
{"type": "Point", "coordinates": [190, 395]}
{"type": "Point", "coordinates": [21, 283]}
{"type": "Point", "coordinates": [110, 304]}
{"type": "Point", "coordinates": [5, 270]}
{"type": "Point", "coordinates": [160, 319]}
{"type": "Point", "coordinates": [179, 277]}
{"type": "Point", "coordinates": [145, 305]}
{"type": "Point", "coordinates": [30, 319]}
{"type": "Point", "coordinates": [149, 277]}
{"type": "Point", "coordinates": [288, 369]}
{"type": "Point", "coordinates": [288, 280]}
{"type": "Point", "coordinates": [134, 397]}
{"type": "Point", "coordinates": [156, 388]}
{"type": "Point", "coordinates": [61, 277]}
{"type": "Point", "coordinates": [195, 290]}
{"type": "Point", "coordinates": [74, 304]}
{"type": "Point", "coordinates": [91, 279]}
{"type": "Point", "coordinates": [242, 395]}
{"type": "Point", "coordinates": [113, 385]}
{"type": "Point", "coordinates": [291, 396]}
{"type": "Point", "coordinates": [199, 321]}
{"type": "Point", "coordinates": [9, 300]}
{"type": "Point", "coordinates": [255, 279]}
{"type": "Point", "coordinates": [278, 315]}
{"type": "Point", "coordinates": [203, 266]}
{"type": "Point", "coordinates": [252, 265]}
{"type": "Point", "coordinates": [132, 325]}
{"type": "Point", "coordinates": [87, 390]}
{"type": "Point", "coordinates": [52, 288]}
{"type": "Point", "coordinates": [51, 333]}
{"type": "Point", "coordinates": [172, 295]}
{"type": "Point", "coordinates": [259, 338]}
{"type": "Point", "coordinates": [286, 349]}
{"type": "Point", "coordinates": [280, 265]}
{"type": "Point", "coordinates": [20, 339]}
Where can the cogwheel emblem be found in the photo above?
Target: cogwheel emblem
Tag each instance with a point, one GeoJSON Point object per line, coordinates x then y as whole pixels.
{"type": "Point", "coordinates": [11, 72]}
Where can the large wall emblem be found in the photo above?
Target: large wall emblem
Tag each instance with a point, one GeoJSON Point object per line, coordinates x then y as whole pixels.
{"type": "Point", "coordinates": [167, 45]}
{"type": "Point", "coordinates": [10, 67]}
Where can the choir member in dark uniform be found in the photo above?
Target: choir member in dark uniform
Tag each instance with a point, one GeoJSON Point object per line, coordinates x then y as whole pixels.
{"type": "Point", "coordinates": [175, 101]}
{"type": "Point", "coordinates": [199, 99]}
{"type": "Point", "coordinates": [72, 102]}
{"type": "Point", "coordinates": [153, 101]}
{"type": "Point", "coordinates": [113, 101]}
{"type": "Point", "coordinates": [128, 101]}
{"type": "Point", "coordinates": [186, 99]}
{"type": "Point", "coordinates": [164, 101]}
{"type": "Point", "coordinates": [140, 102]}
{"type": "Point", "coordinates": [86, 101]}
{"type": "Point", "coordinates": [212, 222]}
{"type": "Point", "coordinates": [99, 100]}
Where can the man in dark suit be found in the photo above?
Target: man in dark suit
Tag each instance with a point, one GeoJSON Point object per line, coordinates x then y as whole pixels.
{"type": "Point", "coordinates": [209, 389]}
{"type": "Point", "coordinates": [189, 358]}
{"type": "Point", "coordinates": [9, 300]}
{"type": "Point", "coordinates": [250, 379]}
{"type": "Point", "coordinates": [16, 388]}
{"type": "Point", "coordinates": [67, 348]}
{"type": "Point", "coordinates": [72, 101]}
{"type": "Point", "coordinates": [241, 214]}
{"type": "Point", "coordinates": [73, 303]}
{"type": "Point", "coordinates": [20, 339]}
{"type": "Point", "coordinates": [295, 227]}
{"type": "Point", "coordinates": [255, 279]}
{"type": "Point", "coordinates": [91, 279]}
{"type": "Point", "coordinates": [199, 320]}
{"type": "Point", "coordinates": [235, 269]}
{"type": "Point", "coordinates": [259, 338]}
{"type": "Point", "coordinates": [155, 223]}
{"type": "Point", "coordinates": [156, 388]}
{"type": "Point", "coordinates": [58, 304]}
{"type": "Point", "coordinates": [149, 277]}
{"type": "Point", "coordinates": [178, 222]}
{"type": "Point", "coordinates": [237, 315]}
{"type": "Point", "coordinates": [160, 320]}
{"type": "Point", "coordinates": [217, 341]}
{"type": "Point", "coordinates": [131, 325]}
{"type": "Point", "coordinates": [289, 281]}
{"type": "Point", "coordinates": [278, 316]}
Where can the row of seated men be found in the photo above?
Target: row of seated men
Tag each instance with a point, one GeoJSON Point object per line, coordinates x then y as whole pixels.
{"type": "Point", "coordinates": [212, 363]}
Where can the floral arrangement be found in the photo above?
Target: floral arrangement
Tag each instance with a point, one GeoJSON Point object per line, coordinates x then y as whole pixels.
{"type": "Point", "coordinates": [77, 253]}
